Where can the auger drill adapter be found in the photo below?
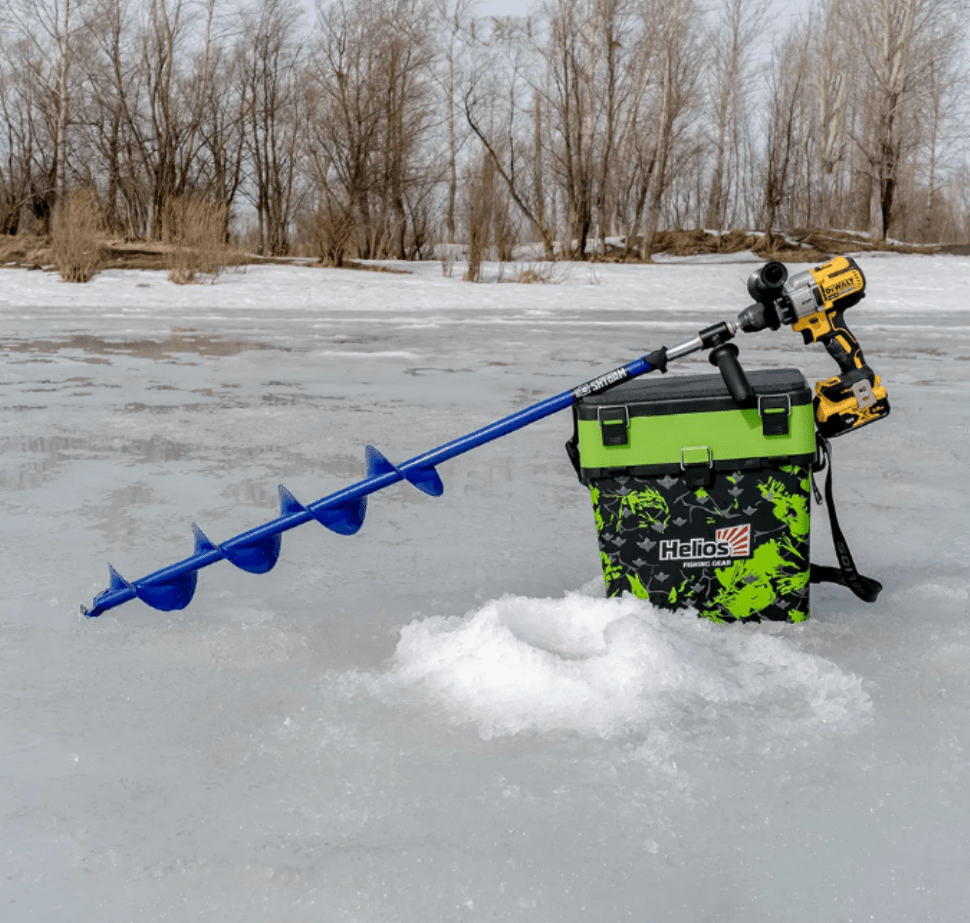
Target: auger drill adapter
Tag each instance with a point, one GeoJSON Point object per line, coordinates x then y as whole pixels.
{"type": "Point", "coordinates": [814, 302]}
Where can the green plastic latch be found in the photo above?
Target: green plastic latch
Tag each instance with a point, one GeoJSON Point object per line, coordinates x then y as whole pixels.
{"type": "Point", "coordinates": [614, 425]}
{"type": "Point", "coordinates": [697, 463]}
{"type": "Point", "coordinates": [695, 455]}
{"type": "Point", "coordinates": [775, 410]}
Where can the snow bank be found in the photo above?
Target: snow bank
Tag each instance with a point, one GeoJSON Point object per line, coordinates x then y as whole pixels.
{"type": "Point", "coordinates": [611, 667]}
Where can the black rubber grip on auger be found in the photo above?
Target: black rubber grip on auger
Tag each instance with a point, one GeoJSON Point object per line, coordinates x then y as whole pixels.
{"type": "Point", "coordinates": [725, 357]}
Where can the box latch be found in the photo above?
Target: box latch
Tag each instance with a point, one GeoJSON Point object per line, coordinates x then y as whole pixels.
{"type": "Point", "coordinates": [614, 425]}
{"type": "Point", "coordinates": [697, 463]}
{"type": "Point", "coordinates": [775, 412]}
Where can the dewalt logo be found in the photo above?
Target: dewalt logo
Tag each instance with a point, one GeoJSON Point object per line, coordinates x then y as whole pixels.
{"type": "Point", "coordinates": [834, 290]}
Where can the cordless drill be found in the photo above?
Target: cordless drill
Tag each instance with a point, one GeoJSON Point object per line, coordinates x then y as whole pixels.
{"type": "Point", "coordinates": [814, 302]}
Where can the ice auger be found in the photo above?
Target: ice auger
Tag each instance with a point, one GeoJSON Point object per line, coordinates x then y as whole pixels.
{"type": "Point", "coordinates": [257, 550]}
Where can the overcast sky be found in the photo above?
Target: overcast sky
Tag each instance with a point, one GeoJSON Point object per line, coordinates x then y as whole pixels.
{"type": "Point", "coordinates": [782, 9]}
{"type": "Point", "coordinates": [503, 7]}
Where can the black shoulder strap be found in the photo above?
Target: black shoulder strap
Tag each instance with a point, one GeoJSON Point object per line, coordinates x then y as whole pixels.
{"type": "Point", "coordinates": [572, 447]}
{"type": "Point", "coordinates": [845, 574]}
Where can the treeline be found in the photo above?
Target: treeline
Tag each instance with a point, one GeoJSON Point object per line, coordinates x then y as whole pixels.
{"type": "Point", "coordinates": [382, 128]}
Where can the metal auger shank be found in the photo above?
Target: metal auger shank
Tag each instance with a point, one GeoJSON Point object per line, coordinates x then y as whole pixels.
{"type": "Point", "coordinates": [257, 550]}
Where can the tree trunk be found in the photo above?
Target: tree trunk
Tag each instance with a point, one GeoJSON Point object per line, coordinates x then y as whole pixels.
{"type": "Point", "coordinates": [60, 145]}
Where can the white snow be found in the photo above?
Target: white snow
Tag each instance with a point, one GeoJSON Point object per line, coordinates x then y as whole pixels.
{"type": "Point", "coordinates": [441, 718]}
{"type": "Point", "coordinates": [610, 668]}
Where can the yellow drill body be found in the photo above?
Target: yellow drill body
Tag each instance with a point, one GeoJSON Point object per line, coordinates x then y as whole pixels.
{"type": "Point", "coordinates": [813, 303]}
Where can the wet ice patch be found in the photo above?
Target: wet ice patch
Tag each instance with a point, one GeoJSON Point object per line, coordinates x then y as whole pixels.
{"type": "Point", "coordinates": [365, 354]}
{"type": "Point", "coordinates": [609, 667]}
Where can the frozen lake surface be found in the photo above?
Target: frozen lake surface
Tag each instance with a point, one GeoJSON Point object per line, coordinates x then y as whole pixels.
{"type": "Point", "coordinates": [440, 718]}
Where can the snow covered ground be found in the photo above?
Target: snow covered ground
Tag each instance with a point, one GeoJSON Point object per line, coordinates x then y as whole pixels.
{"type": "Point", "coordinates": [441, 719]}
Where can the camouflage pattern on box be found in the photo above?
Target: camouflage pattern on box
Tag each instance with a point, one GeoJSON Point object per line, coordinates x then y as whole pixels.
{"type": "Point", "coordinates": [735, 550]}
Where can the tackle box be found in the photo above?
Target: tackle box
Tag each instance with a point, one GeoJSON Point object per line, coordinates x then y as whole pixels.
{"type": "Point", "coordinates": [700, 502]}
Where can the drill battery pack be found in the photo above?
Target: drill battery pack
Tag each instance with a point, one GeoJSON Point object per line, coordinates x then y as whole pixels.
{"type": "Point", "coordinates": [698, 502]}
{"type": "Point", "coordinates": [846, 402]}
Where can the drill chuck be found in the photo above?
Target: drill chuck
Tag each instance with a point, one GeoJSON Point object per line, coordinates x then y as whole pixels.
{"type": "Point", "coordinates": [753, 319]}
{"type": "Point", "coordinates": [767, 286]}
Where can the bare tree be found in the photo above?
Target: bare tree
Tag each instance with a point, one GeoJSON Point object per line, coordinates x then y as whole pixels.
{"type": "Point", "coordinates": [221, 125]}
{"type": "Point", "coordinates": [834, 68]}
{"type": "Point", "coordinates": [480, 184]}
{"type": "Point", "coordinates": [503, 85]}
{"type": "Point", "coordinates": [50, 30]}
{"type": "Point", "coordinates": [887, 29]}
{"type": "Point", "coordinates": [941, 118]}
{"type": "Point", "coordinates": [17, 124]}
{"type": "Point", "coordinates": [62, 32]}
{"type": "Point", "coordinates": [738, 28]}
{"type": "Point", "coordinates": [597, 61]}
{"type": "Point", "coordinates": [899, 42]}
{"type": "Point", "coordinates": [110, 113]}
{"type": "Point", "coordinates": [271, 73]}
{"type": "Point", "coordinates": [679, 71]}
{"type": "Point", "coordinates": [370, 94]}
{"type": "Point", "coordinates": [589, 113]}
{"type": "Point", "coordinates": [453, 17]}
{"type": "Point", "coordinates": [787, 83]}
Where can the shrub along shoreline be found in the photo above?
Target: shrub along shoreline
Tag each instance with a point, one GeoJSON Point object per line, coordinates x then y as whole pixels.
{"type": "Point", "coordinates": [83, 249]}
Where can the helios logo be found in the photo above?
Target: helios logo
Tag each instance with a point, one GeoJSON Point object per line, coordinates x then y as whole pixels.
{"type": "Point", "coordinates": [738, 537]}
{"type": "Point", "coordinates": [729, 542]}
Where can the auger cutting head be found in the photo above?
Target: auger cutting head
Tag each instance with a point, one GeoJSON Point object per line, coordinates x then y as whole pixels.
{"type": "Point", "coordinates": [258, 550]}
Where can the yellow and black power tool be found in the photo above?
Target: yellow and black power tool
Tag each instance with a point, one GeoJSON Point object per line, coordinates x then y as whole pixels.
{"type": "Point", "coordinates": [814, 302]}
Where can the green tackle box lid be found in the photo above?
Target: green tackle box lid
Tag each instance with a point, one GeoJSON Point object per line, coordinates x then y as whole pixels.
{"type": "Point", "coordinates": [658, 425]}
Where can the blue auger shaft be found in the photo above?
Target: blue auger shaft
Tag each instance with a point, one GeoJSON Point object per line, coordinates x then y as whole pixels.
{"type": "Point", "coordinates": [257, 550]}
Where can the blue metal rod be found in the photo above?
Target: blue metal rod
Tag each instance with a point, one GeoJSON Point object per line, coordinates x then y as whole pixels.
{"type": "Point", "coordinates": [256, 550]}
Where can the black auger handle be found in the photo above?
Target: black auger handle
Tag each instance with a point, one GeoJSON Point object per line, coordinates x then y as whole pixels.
{"type": "Point", "coordinates": [725, 357]}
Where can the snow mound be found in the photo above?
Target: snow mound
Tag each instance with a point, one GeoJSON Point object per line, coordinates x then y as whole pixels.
{"type": "Point", "coordinates": [611, 667]}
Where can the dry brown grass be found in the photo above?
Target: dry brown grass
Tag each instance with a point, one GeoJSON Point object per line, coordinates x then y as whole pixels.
{"type": "Point", "coordinates": [535, 274]}
{"type": "Point", "coordinates": [481, 207]}
{"type": "Point", "coordinates": [196, 230]}
{"type": "Point", "coordinates": [76, 246]}
{"type": "Point", "coordinates": [32, 251]}
{"type": "Point", "coordinates": [331, 232]}
{"type": "Point", "coordinates": [801, 245]}
{"type": "Point", "coordinates": [812, 245]}
{"type": "Point", "coordinates": [27, 251]}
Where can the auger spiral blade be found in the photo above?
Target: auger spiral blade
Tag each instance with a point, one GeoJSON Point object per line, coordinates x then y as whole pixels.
{"type": "Point", "coordinates": [254, 557]}
{"type": "Point", "coordinates": [258, 550]}
{"type": "Point", "coordinates": [342, 518]}
{"type": "Point", "coordinates": [172, 594]}
{"type": "Point", "coordinates": [425, 479]}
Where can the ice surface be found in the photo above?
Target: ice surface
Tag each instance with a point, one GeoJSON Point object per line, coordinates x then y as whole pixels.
{"type": "Point", "coordinates": [441, 718]}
